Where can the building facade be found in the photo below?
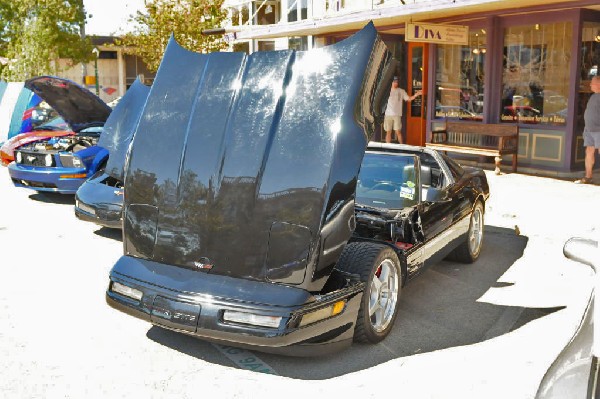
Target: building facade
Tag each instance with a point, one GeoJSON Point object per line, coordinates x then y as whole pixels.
{"type": "Point", "coordinates": [116, 71]}
{"type": "Point", "coordinates": [527, 63]}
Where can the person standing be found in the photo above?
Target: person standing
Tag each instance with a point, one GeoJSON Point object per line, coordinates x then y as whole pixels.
{"type": "Point", "coordinates": [591, 131]}
{"type": "Point", "coordinates": [393, 111]}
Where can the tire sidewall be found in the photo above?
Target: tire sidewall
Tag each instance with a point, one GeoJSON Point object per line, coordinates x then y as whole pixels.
{"type": "Point", "coordinates": [373, 335]}
{"type": "Point", "coordinates": [475, 254]}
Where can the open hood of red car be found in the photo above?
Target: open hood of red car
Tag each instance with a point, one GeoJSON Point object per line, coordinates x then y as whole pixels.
{"type": "Point", "coordinates": [78, 106]}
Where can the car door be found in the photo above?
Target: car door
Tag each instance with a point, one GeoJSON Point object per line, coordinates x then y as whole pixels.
{"type": "Point", "coordinates": [442, 200]}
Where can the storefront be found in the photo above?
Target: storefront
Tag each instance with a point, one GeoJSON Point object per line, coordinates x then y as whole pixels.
{"type": "Point", "coordinates": [533, 70]}
{"type": "Point", "coordinates": [526, 66]}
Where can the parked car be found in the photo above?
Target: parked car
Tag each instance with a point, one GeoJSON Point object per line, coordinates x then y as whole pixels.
{"type": "Point", "coordinates": [54, 128]}
{"type": "Point", "coordinates": [61, 164]}
{"type": "Point", "coordinates": [100, 198]}
{"type": "Point", "coordinates": [240, 225]}
{"type": "Point", "coordinates": [576, 369]}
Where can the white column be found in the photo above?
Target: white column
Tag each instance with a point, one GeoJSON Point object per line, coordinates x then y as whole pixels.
{"type": "Point", "coordinates": [121, 68]}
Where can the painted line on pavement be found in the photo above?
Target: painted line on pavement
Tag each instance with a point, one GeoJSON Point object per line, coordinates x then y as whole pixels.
{"type": "Point", "coordinates": [245, 359]}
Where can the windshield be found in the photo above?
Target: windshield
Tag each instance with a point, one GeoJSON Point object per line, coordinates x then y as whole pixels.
{"type": "Point", "coordinates": [387, 181]}
{"type": "Point", "coordinates": [56, 123]}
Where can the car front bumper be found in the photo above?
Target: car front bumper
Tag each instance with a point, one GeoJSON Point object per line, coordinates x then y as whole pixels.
{"type": "Point", "coordinates": [99, 203]}
{"type": "Point", "coordinates": [49, 179]}
{"type": "Point", "coordinates": [194, 302]}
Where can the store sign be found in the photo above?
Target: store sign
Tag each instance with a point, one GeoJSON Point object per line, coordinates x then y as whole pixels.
{"type": "Point", "coordinates": [439, 34]}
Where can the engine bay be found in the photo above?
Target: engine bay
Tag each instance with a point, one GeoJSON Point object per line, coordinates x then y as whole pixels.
{"type": "Point", "coordinates": [402, 228]}
{"type": "Point", "coordinates": [54, 145]}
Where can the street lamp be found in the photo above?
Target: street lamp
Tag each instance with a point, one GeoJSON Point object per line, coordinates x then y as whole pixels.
{"type": "Point", "coordinates": [96, 54]}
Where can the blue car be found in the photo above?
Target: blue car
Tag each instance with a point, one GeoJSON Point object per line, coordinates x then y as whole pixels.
{"type": "Point", "coordinates": [62, 164]}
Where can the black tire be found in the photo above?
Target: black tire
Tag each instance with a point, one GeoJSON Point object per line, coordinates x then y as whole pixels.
{"type": "Point", "coordinates": [470, 249]}
{"type": "Point", "coordinates": [365, 259]}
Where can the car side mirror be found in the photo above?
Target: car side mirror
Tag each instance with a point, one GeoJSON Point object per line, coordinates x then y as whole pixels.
{"type": "Point", "coordinates": [582, 250]}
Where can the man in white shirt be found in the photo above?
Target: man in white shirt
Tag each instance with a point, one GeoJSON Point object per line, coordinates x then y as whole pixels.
{"type": "Point", "coordinates": [393, 111]}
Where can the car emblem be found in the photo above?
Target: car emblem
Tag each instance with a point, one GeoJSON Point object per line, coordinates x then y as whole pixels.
{"type": "Point", "coordinates": [203, 264]}
{"type": "Point", "coordinates": [118, 192]}
{"type": "Point", "coordinates": [30, 158]}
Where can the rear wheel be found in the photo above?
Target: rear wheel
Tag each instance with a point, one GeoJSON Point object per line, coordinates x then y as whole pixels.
{"type": "Point", "coordinates": [379, 268]}
{"type": "Point", "coordinates": [469, 251]}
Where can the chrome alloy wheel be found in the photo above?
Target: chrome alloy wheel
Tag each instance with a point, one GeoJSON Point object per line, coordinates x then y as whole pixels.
{"type": "Point", "coordinates": [476, 231]}
{"type": "Point", "coordinates": [384, 295]}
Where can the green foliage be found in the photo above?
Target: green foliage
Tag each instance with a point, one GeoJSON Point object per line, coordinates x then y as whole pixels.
{"type": "Point", "coordinates": [184, 18]}
{"type": "Point", "coordinates": [35, 33]}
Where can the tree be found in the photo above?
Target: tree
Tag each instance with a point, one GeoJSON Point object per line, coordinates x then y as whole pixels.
{"type": "Point", "coordinates": [35, 33]}
{"type": "Point", "coordinates": [184, 18]}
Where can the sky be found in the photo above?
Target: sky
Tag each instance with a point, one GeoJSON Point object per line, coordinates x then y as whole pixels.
{"type": "Point", "coordinates": [110, 17]}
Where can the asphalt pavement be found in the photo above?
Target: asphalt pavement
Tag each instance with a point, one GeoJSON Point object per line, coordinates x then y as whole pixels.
{"type": "Point", "coordinates": [487, 330]}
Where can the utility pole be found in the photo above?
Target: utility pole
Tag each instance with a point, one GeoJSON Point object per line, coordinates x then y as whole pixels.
{"type": "Point", "coordinates": [82, 34]}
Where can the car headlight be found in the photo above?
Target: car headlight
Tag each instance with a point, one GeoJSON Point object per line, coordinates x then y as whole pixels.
{"type": "Point", "coordinates": [48, 159]}
{"type": "Point", "coordinates": [70, 161]}
{"type": "Point", "coordinates": [19, 157]}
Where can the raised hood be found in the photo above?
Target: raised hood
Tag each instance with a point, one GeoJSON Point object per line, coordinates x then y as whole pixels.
{"type": "Point", "coordinates": [247, 164]}
{"type": "Point", "coordinates": [120, 128]}
{"type": "Point", "coordinates": [78, 106]}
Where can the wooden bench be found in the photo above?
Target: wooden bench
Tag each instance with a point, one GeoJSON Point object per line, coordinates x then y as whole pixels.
{"type": "Point", "coordinates": [477, 138]}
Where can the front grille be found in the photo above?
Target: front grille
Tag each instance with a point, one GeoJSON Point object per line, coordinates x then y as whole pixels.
{"type": "Point", "coordinates": [36, 184]}
{"type": "Point", "coordinates": [34, 159]}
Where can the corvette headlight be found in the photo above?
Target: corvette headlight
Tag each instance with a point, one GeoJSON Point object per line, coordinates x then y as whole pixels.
{"type": "Point", "coordinates": [19, 157]}
{"type": "Point", "coordinates": [48, 159]}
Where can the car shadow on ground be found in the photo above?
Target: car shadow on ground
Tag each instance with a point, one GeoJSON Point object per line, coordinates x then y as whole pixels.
{"type": "Point", "coordinates": [438, 310]}
{"type": "Point", "coordinates": [54, 198]}
{"type": "Point", "coordinates": [113, 234]}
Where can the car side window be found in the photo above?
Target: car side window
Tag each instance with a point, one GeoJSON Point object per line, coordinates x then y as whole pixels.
{"type": "Point", "coordinates": [455, 169]}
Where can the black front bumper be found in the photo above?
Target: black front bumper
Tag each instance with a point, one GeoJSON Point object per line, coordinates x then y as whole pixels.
{"type": "Point", "coordinates": [194, 302]}
{"type": "Point", "coordinates": [99, 203]}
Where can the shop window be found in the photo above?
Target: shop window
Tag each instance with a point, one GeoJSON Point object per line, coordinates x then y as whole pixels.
{"type": "Point", "coordinates": [535, 78]}
{"type": "Point", "coordinates": [242, 47]}
{"type": "Point", "coordinates": [459, 92]}
{"type": "Point", "coordinates": [266, 45]}
{"type": "Point", "coordinates": [590, 60]}
{"type": "Point", "coordinates": [240, 16]}
{"type": "Point", "coordinates": [298, 10]}
{"type": "Point", "coordinates": [298, 43]}
{"type": "Point", "coordinates": [267, 12]}
{"type": "Point", "coordinates": [108, 55]}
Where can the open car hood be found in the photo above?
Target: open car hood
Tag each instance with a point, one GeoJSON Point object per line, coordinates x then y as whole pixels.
{"type": "Point", "coordinates": [78, 106]}
{"type": "Point", "coordinates": [120, 128]}
{"type": "Point", "coordinates": [247, 164]}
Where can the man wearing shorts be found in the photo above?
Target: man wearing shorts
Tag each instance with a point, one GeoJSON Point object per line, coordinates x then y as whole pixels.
{"type": "Point", "coordinates": [591, 131]}
{"type": "Point", "coordinates": [393, 111]}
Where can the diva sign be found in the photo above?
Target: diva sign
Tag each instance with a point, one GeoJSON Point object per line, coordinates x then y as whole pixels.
{"type": "Point", "coordinates": [435, 33]}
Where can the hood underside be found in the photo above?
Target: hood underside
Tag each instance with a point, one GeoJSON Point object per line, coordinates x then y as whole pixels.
{"type": "Point", "coordinates": [78, 106]}
{"type": "Point", "coordinates": [247, 164]}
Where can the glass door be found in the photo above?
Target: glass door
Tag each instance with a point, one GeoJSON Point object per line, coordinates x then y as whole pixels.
{"type": "Point", "coordinates": [416, 115]}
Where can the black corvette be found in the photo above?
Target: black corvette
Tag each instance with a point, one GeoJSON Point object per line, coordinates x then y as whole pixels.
{"type": "Point", "coordinates": [246, 220]}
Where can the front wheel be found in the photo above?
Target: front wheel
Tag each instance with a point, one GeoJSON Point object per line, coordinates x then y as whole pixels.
{"type": "Point", "coordinates": [378, 266]}
{"type": "Point", "coordinates": [469, 251]}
